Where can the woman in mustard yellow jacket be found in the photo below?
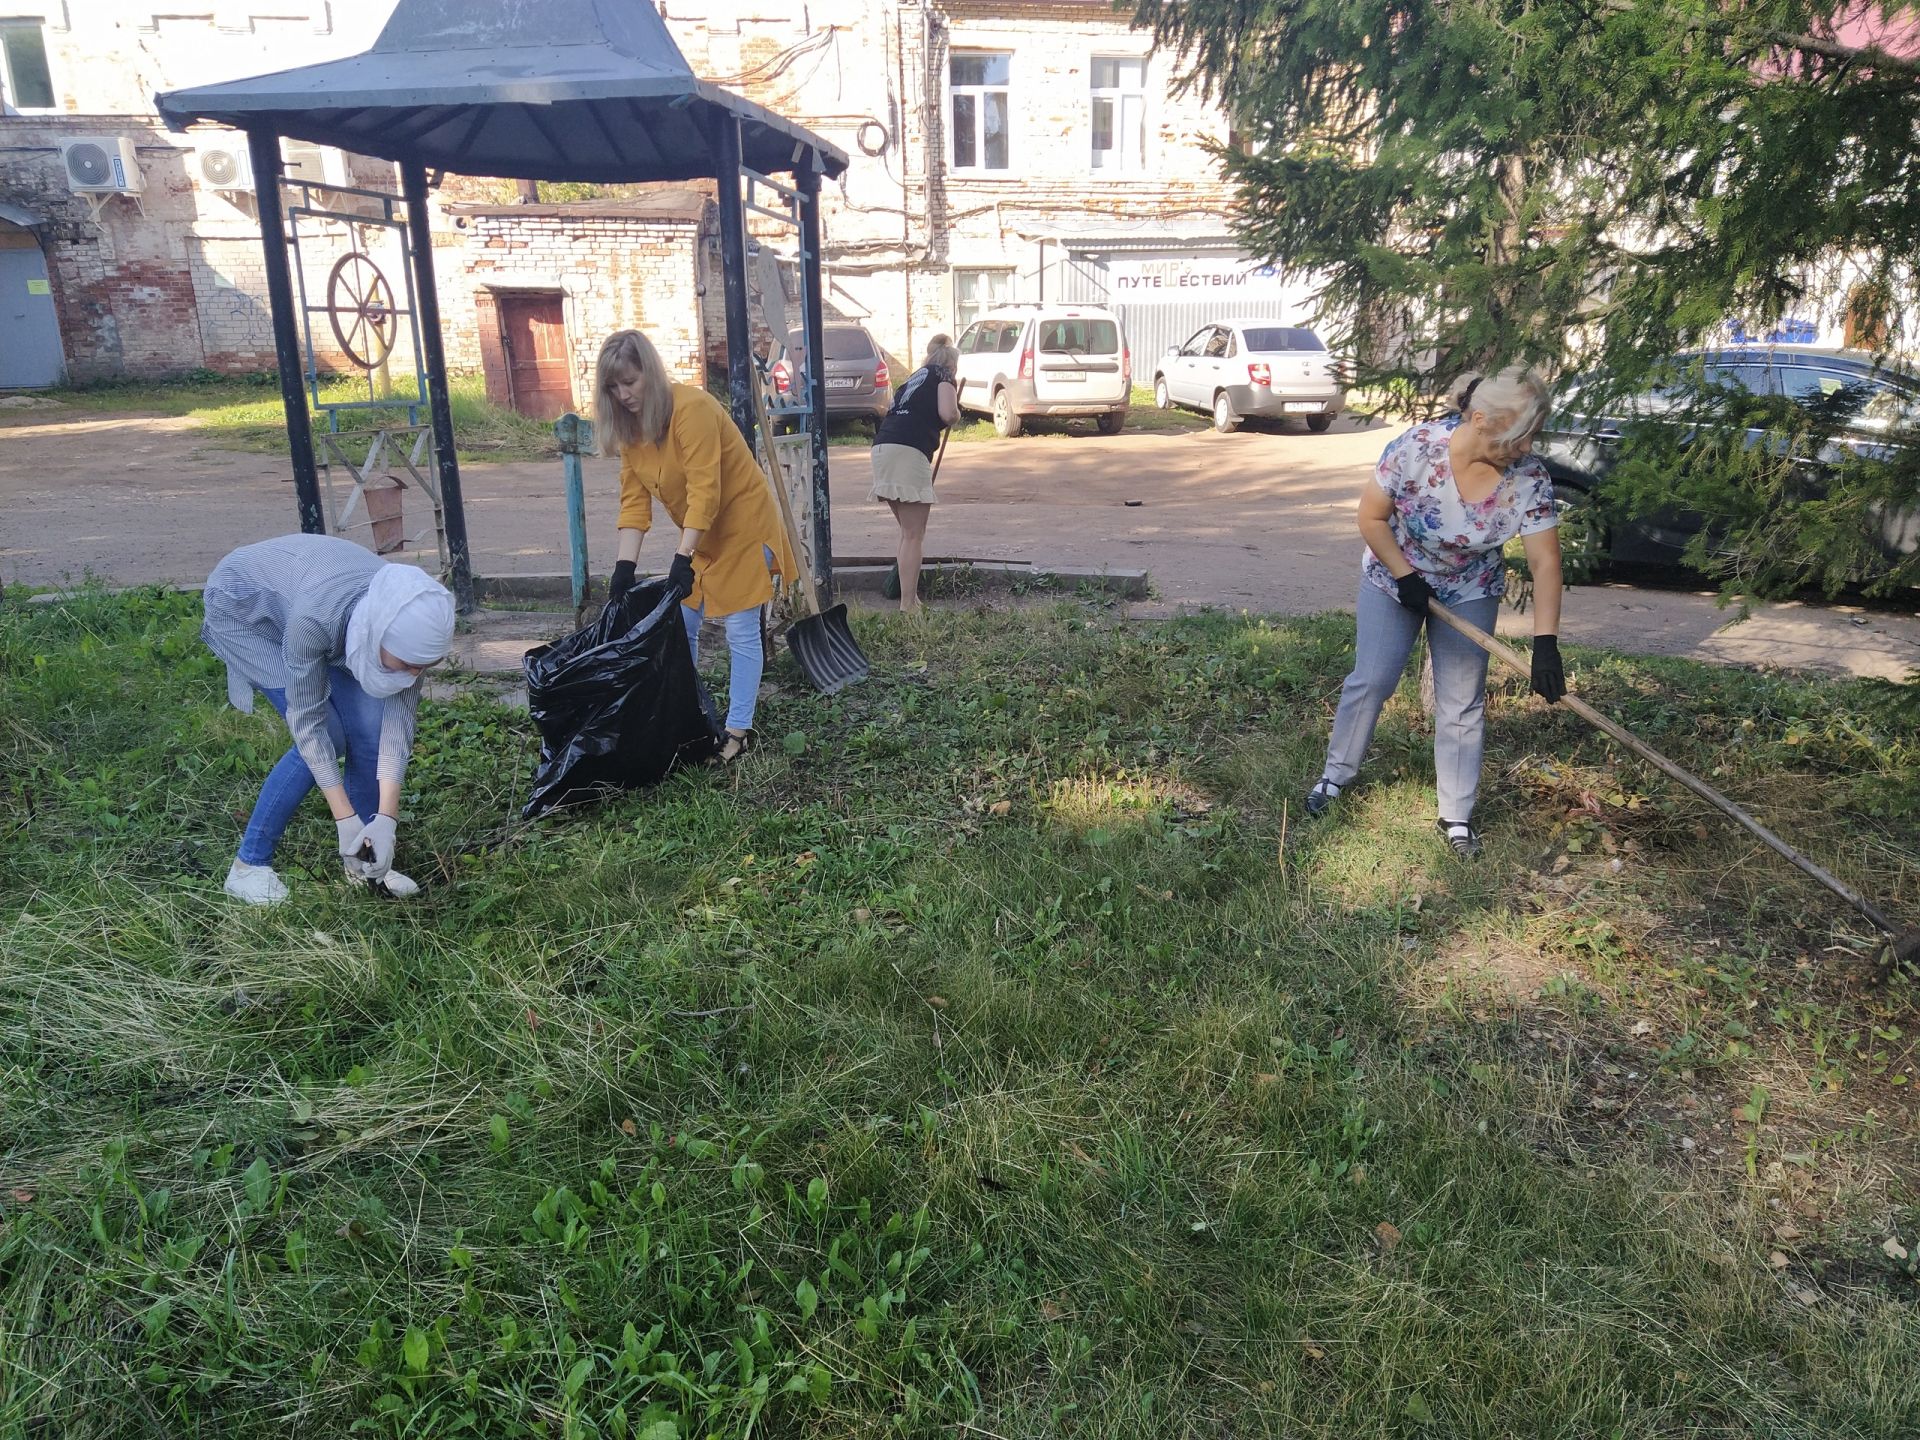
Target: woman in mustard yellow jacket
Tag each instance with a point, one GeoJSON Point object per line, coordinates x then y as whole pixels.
{"type": "Point", "coordinates": [679, 446]}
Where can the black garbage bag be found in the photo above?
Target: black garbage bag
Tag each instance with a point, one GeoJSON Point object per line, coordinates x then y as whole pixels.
{"type": "Point", "coordinates": [618, 703]}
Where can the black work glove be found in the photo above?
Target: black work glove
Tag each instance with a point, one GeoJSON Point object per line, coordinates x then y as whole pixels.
{"type": "Point", "coordinates": [680, 574]}
{"type": "Point", "coordinates": [1414, 591]}
{"type": "Point", "coordinates": [622, 580]}
{"type": "Point", "coordinates": [1549, 678]}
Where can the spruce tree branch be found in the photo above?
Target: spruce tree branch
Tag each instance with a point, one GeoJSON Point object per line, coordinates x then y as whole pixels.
{"type": "Point", "coordinates": [1877, 56]}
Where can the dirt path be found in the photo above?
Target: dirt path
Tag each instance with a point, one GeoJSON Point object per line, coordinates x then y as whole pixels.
{"type": "Point", "coordinates": [1260, 522]}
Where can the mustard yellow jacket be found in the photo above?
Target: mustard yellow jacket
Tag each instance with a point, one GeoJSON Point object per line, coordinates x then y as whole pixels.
{"type": "Point", "coordinates": [706, 478]}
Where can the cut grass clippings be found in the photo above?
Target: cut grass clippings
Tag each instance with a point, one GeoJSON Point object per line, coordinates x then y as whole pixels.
{"type": "Point", "coordinates": [995, 1051]}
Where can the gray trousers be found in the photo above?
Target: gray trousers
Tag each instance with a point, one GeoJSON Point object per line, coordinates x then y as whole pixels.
{"type": "Point", "coordinates": [1384, 632]}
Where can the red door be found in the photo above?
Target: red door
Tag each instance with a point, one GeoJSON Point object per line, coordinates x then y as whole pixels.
{"type": "Point", "coordinates": [539, 370]}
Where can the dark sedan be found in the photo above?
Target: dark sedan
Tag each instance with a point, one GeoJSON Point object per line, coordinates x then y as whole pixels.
{"type": "Point", "coordinates": [1579, 448]}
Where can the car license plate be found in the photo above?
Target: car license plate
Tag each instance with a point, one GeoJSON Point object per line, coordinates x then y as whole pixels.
{"type": "Point", "coordinates": [1069, 377]}
{"type": "Point", "coordinates": [843, 382]}
{"type": "Point", "coordinates": [1303, 407]}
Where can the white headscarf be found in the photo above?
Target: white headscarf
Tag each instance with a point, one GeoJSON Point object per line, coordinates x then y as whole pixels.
{"type": "Point", "coordinates": [407, 611]}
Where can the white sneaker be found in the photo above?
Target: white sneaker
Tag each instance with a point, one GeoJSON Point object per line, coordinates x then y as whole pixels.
{"type": "Point", "coordinates": [400, 887]}
{"type": "Point", "coordinates": [255, 884]}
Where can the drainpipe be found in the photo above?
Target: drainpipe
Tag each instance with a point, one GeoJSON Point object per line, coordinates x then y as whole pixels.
{"type": "Point", "coordinates": [906, 192]}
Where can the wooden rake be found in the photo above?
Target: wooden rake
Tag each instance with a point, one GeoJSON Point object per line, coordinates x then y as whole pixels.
{"type": "Point", "coordinates": [1902, 946]}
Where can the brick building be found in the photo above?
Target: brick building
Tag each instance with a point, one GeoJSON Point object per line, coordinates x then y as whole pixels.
{"type": "Point", "coordinates": [1002, 149]}
{"type": "Point", "coordinates": [547, 283]}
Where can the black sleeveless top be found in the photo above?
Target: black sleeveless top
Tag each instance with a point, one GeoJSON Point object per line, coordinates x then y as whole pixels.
{"type": "Point", "coordinates": [914, 418]}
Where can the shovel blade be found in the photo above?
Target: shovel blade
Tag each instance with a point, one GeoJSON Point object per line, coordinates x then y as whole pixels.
{"type": "Point", "coordinates": [824, 648]}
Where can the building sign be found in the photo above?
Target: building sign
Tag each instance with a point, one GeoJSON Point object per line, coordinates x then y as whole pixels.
{"type": "Point", "coordinates": [1137, 280]}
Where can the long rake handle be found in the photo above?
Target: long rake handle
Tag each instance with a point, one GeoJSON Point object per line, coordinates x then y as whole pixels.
{"type": "Point", "coordinates": [770, 467]}
{"type": "Point", "coordinates": [1512, 660]}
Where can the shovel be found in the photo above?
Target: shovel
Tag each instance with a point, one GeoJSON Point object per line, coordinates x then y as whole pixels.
{"type": "Point", "coordinates": [822, 643]}
{"type": "Point", "coordinates": [891, 589]}
{"type": "Point", "coordinates": [1902, 946]}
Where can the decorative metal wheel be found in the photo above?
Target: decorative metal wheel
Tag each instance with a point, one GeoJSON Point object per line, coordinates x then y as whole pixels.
{"type": "Point", "coordinates": [361, 310]}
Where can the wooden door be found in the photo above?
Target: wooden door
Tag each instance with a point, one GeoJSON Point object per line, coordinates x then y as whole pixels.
{"type": "Point", "coordinates": [533, 329]}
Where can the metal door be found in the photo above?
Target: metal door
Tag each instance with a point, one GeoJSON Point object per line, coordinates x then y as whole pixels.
{"type": "Point", "coordinates": [30, 354]}
{"type": "Point", "coordinates": [539, 370]}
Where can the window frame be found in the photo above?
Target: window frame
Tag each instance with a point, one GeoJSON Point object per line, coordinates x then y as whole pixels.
{"type": "Point", "coordinates": [981, 305]}
{"type": "Point", "coordinates": [979, 168]}
{"type": "Point", "coordinates": [1116, 95]}
{"type": "Point", "coordinates": [9, 98]}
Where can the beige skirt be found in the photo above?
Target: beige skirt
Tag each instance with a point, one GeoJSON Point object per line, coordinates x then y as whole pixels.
{"type": "Point", "coordinates": [901, 472]}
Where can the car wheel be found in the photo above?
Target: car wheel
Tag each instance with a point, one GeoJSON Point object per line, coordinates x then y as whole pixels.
{"type": "Point", "coordinates": [1224, 420]}
{"type": "Point", "coordinates": [1319, 424]}
{"type": "Point", "coordinates": [1006, 424]}
{"type": "Point", "coordinates": [1112, 421]}
{"type": "Point", "coordinates": [1162, 399]}
{"type": "Point", "coordinates": [1585, 547]}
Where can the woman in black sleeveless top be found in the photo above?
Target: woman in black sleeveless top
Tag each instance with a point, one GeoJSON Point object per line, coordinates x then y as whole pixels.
{"type": "Point", "coordinates": [903, 446]}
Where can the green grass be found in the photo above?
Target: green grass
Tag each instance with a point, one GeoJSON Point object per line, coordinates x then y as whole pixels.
{"type": "Point", "coordinates": [245, 413]}
{"type": "Point", "coordinates": [994, 1052]}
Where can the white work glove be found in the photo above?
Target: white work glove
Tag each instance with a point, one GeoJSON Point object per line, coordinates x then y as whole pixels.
{"type": "Point", "coordinates": [379, 835]}
{"type": "Point", "coordinates": [350, 830]}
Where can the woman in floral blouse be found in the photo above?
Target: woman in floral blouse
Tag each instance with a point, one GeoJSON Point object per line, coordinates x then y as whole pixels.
{"type": "Point", "coordinates": [1444, 500]}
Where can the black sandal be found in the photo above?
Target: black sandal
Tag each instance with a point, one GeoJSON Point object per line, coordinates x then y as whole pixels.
{"type": "Point", "coordinates": [1320, 799]}
{"type": "Point", "coordinates": [734, 745]}
{"type": "Point", "coordinates": [1464, 839]}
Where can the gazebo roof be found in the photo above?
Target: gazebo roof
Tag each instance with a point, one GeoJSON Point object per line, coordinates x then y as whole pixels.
{"type": "Point", "coordinates": [592, 90]}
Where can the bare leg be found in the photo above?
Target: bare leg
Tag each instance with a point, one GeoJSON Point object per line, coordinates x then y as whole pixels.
{"type": "Point", "coordinates": [913, 546]}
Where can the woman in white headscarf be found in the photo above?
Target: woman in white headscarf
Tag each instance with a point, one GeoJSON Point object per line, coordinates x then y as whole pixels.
{"type": "Point", "coordinates": [337, 640]}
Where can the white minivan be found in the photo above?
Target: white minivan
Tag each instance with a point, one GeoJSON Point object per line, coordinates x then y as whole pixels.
{"type": "Point", "coordinates": [1022, 361]}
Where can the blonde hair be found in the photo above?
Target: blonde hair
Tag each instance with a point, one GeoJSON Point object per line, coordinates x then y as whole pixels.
{"type": "Point", "coordinates": [1515, 394]}
{"type": "Point", "coordinates": [943, 355]}
{"type": "Point", "coordinates": [614, 424]}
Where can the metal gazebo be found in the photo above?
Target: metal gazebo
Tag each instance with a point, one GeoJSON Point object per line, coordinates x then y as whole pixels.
{"type": "Point", "coordinates": [591, 90]}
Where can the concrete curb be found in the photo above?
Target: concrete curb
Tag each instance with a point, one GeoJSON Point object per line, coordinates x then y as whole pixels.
{"type": "Point", "coordinates": [864, 576]}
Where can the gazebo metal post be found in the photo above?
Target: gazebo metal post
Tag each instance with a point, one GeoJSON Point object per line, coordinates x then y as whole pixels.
{"type": "Point", "coordinates": [413, 187]}
{"type": "Point", "coordinates": [264, 147]}
{"type": "Point", "coordinates": [807, 174]}
{"type": "Point", "coordinates": [733, 266]}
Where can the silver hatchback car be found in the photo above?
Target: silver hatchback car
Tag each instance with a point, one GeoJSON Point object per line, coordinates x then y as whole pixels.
{"type": "Point", "coordinates": [1236, 369]}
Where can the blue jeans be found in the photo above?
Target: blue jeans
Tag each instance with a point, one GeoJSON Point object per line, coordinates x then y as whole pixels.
{"type": "Point", "coordinates": [749, 660]}
{"type": "Point", "coordinates": [353, 725]}
{"type": "Point", "coordinates": [1384, 632]}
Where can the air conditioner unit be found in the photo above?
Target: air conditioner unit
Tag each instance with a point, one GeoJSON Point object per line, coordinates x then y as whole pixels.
{"type": "Point", "coordinates": [302, 160]}
{"type": "Point", "coordinates": [223, 162]}
{"type": "Point", "coordinates": [102, 165]}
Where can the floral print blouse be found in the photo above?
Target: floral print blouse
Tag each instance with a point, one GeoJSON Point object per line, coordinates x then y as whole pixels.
{"type": "Point", "coordinates": [1454, 543]}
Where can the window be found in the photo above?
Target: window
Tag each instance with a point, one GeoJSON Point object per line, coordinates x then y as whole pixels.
{"type": "Point", "coordinates": [1080, 337]}
{"type": "Point", "coordinates": [977, 85]}
{"type": "Point", "coordinates": [1009, 337]}
{"type": "Point", "coordinates": [1197, 341]}
{"type": "Point", "coordinates": [1270, 338]}
{"type": "Point", "coordinates": [837, 342]}
{"type": "Point", "coordinates": [1119, 114]}
{"type": "Point", "coordinates": [25, 81]}
{"type": "Point", "coordinates": [1217, 345]}
{"type": "Point", "coordinates": [1746, 377]}
{"type": "Point", "coordinates": [1888, 408]}
{"type": "Point", "coordinates": [977, 291]}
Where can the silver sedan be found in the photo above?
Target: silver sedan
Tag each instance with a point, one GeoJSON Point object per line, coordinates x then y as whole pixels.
{"type": "Point", "coordinates": [1233, 369]}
